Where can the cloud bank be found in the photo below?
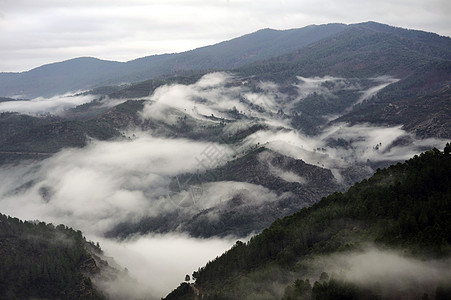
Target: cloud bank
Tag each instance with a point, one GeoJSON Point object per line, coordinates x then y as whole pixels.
{"type": "Point", "coordinates": [387, 272]}
{"type": "Point", "coordinates": [160, 262]}
{"type": "Point", "coordinates": [109, 182]}
{"type": "Point", "coordinates": [54, 105]}
{"type": "Point", "coordinates": [100, 185]}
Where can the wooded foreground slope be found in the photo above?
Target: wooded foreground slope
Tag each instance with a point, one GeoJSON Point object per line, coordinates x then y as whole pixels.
{"type": "Point", "coordinates": [41, 261]}
{"type": "Point", "coordinates": [406, 207]}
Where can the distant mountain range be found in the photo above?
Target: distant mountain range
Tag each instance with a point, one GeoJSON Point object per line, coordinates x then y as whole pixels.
{"type": "Point", "coordinates": [87, 72]}
{"type": "Point", "coordinates": [323, 49]}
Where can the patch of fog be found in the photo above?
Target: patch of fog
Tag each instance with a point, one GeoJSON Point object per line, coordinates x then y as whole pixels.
{"type": "Point", "coordinates": [386, 271]}
{"type": "Point", "coordinates": [288, 176]}
{"type": "Point", "coordinates": [383, 81]}
{"type": "Point", "coordinates": [207, 97]}
{"type": "Point", "coordinates": [215, 193]}
{"type": "Point", "coordinates": [102, 184]}
{"type": "Point", "coordinates": [324, 86]}
{"type": "Point", "coordinates": [107, 102]}
{"type": "Point", "coordinates": [211, 97]}
{"type": "Point", "coordinates": [361, 143]}
{"type": "Point", "coordinates": [39, 106]}
{"type": "Point", "coordinates": [160, 262]}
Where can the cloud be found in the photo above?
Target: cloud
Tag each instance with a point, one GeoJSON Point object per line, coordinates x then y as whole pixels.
{"type": "Point", "coordinates": [110, 182]}
{"type": "Point", "coordinates": [218, 95]}
{"type": "Point", "coordinates": [53, 105]}
{"type": "Point", "coordinates": [206, 97]}
{"type": "Point", "coordinates": [337, 147]}
{"type": "Point", "coordinates": [308, 86]}
{"type": "Point", "coordinates": [101, 185]}
{"type": "Point", "coordinates": [288, 176]}
{"type": "Point", "coordinates": [384, 82]}
{"type": "Point", "coordinates": [342, 146]}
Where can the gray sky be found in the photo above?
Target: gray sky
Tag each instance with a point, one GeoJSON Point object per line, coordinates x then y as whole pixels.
{"type": "Point", "coordinates": [33, 33]}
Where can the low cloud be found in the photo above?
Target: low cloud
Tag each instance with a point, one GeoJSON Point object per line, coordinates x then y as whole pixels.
{"type": "Point", "coordinates": [322, 85]}
{"type": "Point", "coordinates": [218, 95]}
{"type": "Point", "coordinates": [206, 97]}
{"type": "Point", "coordinates": [102, 184]}
{"type": "Point", "coordinates": [387, 271]}
{"type": "Point", "coordinates": [38, 106]}
{"type": "Point", "coordinates": [341, 146]}
{"type": "Point", "coordinates": [383, 81]}
{"type": "Point", "coordinates": [110, 182]}
{"type": "Point", "coordinates": [161, 262]}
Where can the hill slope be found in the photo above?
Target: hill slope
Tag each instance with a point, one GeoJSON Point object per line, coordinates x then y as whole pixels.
{"type": "Point", "coordinates": [43, 261]}
{"type": "Point", "coordinates": [406, 206]}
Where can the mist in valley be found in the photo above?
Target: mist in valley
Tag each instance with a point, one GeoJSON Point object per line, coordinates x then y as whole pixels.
{"type": "Point", "coordinates": [55, 105]}
{"type": "Point", "coordinates": [126, 179]}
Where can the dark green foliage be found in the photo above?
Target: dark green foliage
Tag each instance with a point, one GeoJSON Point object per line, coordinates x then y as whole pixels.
{"type": "Point", "coordinates": [182, 292]}
{"type": "Point", "coordinates": [300, 290]}
{"type": "Point", "coordinates": [40, 260]}
{"type": "Point", "coordinates": [407, 206]}
{"type": "Point", "coordinates": [326, 289]}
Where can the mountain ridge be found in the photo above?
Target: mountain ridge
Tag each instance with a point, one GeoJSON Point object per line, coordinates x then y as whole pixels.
{"type": "Point", "coordinates": [147, 67]}
{"type": "Point", "coordinates": [65, 76]}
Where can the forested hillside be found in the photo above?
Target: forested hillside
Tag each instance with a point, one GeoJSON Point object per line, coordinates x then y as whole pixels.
{"type": "Point", "coordinates": [39, 260]}
{"type": "Point", "coordinates": [406, 207]}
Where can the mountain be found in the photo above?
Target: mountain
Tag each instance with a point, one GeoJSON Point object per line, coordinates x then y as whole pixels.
{"type": "Point", "coordinates": [361, 50]}
{"type": "Point", "coordinates": [416, 65]}
{"type": "Point", "coordinates": [209, 154]}
{"type": "Point", "coordinates": [404, 207]}
{"type": "Point", "coordinates": [412, 69]}
{"type": "Point", "coordinates": [420, 61]}
{"type": "Point", "coordinates": [86, 72]}
{"type": "Point", "coordinates": [297, 131]}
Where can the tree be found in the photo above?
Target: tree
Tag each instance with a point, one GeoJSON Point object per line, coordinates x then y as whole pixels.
{"type": "Point", "coordinates": [187, 278]}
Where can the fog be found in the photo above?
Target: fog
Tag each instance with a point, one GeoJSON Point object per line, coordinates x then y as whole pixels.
{"type": "Point", "coordinates": [386, 271]}
{"type": "Point", "coordinates": [101, 185]}
{"type": "Point", "coordinates": [308, 86]}
{"type": "Point", "coordinates": [97, 187]}
{"type": "Point", "coordinates": [110, 182]}
{"type": "Point", "coordinates": [160, 262]}
{"type": "Point", "coordinates": [53, 105]}
{"type": "Point", "coordinates": [363, 144]}
{"type": "Point", "coordinates": [214, 95]}
{"type": "Point", "coordinates": [383, 81]}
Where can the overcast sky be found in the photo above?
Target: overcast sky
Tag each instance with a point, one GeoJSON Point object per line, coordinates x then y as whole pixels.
{"type": "Point", "coordinates": [33, 33]}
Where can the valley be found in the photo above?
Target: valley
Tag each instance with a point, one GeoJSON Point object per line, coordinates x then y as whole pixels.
{"type": "Point", "coordinates": [218, 144]}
